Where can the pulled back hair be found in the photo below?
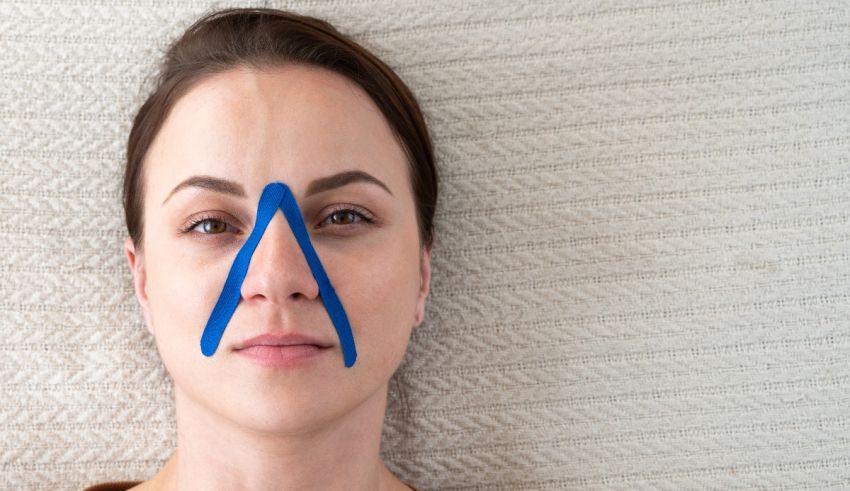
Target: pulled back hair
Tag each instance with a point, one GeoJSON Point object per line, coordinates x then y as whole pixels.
{"type": "Point", "coordinates": [263, 37]}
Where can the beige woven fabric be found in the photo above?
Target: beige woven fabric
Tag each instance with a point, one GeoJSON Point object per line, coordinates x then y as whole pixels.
{"type": "Point", "coordinates": [641, 266]}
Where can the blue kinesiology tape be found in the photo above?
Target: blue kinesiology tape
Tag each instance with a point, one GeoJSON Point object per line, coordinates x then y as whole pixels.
{"type": "Point", "coordinates": [276, 195]}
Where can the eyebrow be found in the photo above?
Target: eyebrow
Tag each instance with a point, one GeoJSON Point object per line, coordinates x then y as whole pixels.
{"type": "Point", "coordinates": [319, 185]}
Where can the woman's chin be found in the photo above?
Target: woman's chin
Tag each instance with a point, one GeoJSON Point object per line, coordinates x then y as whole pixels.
{"type": "Point", "coordinates": [288, 406]}
{"type": "Point", "coordinates": [283, 419]}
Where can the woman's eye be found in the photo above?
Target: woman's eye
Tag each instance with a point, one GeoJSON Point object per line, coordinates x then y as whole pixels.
{"type": "Point", "coordinates": [209, 226]}
{"type": "Point", "coordinates": [345, 216]}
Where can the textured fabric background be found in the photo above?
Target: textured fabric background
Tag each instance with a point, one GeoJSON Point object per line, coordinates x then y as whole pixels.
{"type": "Point", "coordinates": [641, 267]}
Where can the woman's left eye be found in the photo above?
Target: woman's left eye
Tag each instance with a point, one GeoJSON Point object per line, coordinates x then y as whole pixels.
{"type": "Point", "coordinates": [346, 216]}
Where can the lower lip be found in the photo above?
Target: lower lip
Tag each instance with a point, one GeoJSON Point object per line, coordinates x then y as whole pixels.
{"type": "Point", "coordinates": [282, 356]}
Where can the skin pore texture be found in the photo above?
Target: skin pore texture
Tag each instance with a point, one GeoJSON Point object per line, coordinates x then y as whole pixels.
{"type": "Point", "coordinates": [316, 425]}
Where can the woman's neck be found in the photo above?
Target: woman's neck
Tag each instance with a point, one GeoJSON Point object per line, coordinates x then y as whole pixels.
{"type": "Point", "coordinates": [214, 453]}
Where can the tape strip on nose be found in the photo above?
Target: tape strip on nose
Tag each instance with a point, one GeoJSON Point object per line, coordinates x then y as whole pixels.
{"type": "Point", "coordinates": [276, 195]}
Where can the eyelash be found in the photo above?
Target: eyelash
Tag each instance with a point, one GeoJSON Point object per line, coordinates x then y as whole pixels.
{"type": "Point", "coordinates": [365, 217]}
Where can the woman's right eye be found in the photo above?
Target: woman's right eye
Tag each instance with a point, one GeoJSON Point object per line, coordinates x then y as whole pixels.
{"type": "Point", "coordinates": [209, 226]}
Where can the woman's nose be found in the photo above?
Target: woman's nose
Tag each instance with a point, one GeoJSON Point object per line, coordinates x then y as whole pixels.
{"type": "Point", "coordinates": [278, 268]}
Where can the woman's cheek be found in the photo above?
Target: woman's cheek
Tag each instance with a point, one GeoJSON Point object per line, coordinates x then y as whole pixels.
{"type": "Point", "coordinates": [181, 319]}
{"type": "Point", "coordinates": [384, 300]}
{"type": "Point", "coordinates": [186, 294]}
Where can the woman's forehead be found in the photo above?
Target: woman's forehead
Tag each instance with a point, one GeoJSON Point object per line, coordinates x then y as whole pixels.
{"type": "Point", "coordinates": [296, 121]}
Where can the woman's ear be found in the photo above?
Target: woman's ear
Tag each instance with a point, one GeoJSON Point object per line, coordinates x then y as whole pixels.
{"type": "Point", "coordinates": [424, 286]}
{"type": "Point", "coordinates": [137, 267]}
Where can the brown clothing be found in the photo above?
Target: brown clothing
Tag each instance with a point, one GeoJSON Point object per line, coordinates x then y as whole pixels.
{"type": "Point", "coordinates": [113, 486]}
{"type": "Point", "coordinates": [125, 485]}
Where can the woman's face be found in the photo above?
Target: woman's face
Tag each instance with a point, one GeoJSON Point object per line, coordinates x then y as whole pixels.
{"type": "Point", "coordinates": [293, 124]}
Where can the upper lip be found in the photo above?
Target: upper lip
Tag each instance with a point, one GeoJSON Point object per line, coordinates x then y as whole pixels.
{"type": "Point", "coordinates": [287, 339]}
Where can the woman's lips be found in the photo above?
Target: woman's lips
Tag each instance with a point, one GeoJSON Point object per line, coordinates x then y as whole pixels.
{"type": "Point", "coordinates": [280, 339]}
{"type": "Point", "coordinates": [282, 356]}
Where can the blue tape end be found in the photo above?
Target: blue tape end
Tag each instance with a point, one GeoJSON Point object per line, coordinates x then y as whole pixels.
{"type": "Point", "coordinates": [208, 346]}
{"type": "Point", "coordinates": [349, 356]}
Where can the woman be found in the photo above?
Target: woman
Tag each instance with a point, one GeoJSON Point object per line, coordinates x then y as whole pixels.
{"type": "Point", "coordinates": [248, 98]}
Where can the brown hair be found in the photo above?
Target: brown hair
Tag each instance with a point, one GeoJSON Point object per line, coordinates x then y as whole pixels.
{"type": "Point", "coordinates": [261, 37]}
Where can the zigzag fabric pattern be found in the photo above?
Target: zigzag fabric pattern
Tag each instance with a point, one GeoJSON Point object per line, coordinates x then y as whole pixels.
{"type": "Point", "coordinates": [641, 260]}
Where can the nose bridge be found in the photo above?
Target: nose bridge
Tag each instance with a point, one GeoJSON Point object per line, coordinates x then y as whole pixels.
{"type": "Point", "coordinates": [278, 242]}
{"type": "Point", "coordinates": [278, 264]}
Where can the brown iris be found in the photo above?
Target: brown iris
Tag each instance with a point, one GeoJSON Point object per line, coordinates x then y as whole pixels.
{"type": "Point", "coordinates": [348, 217]}
{"type": "Point", "coordinates": [214, 226]}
